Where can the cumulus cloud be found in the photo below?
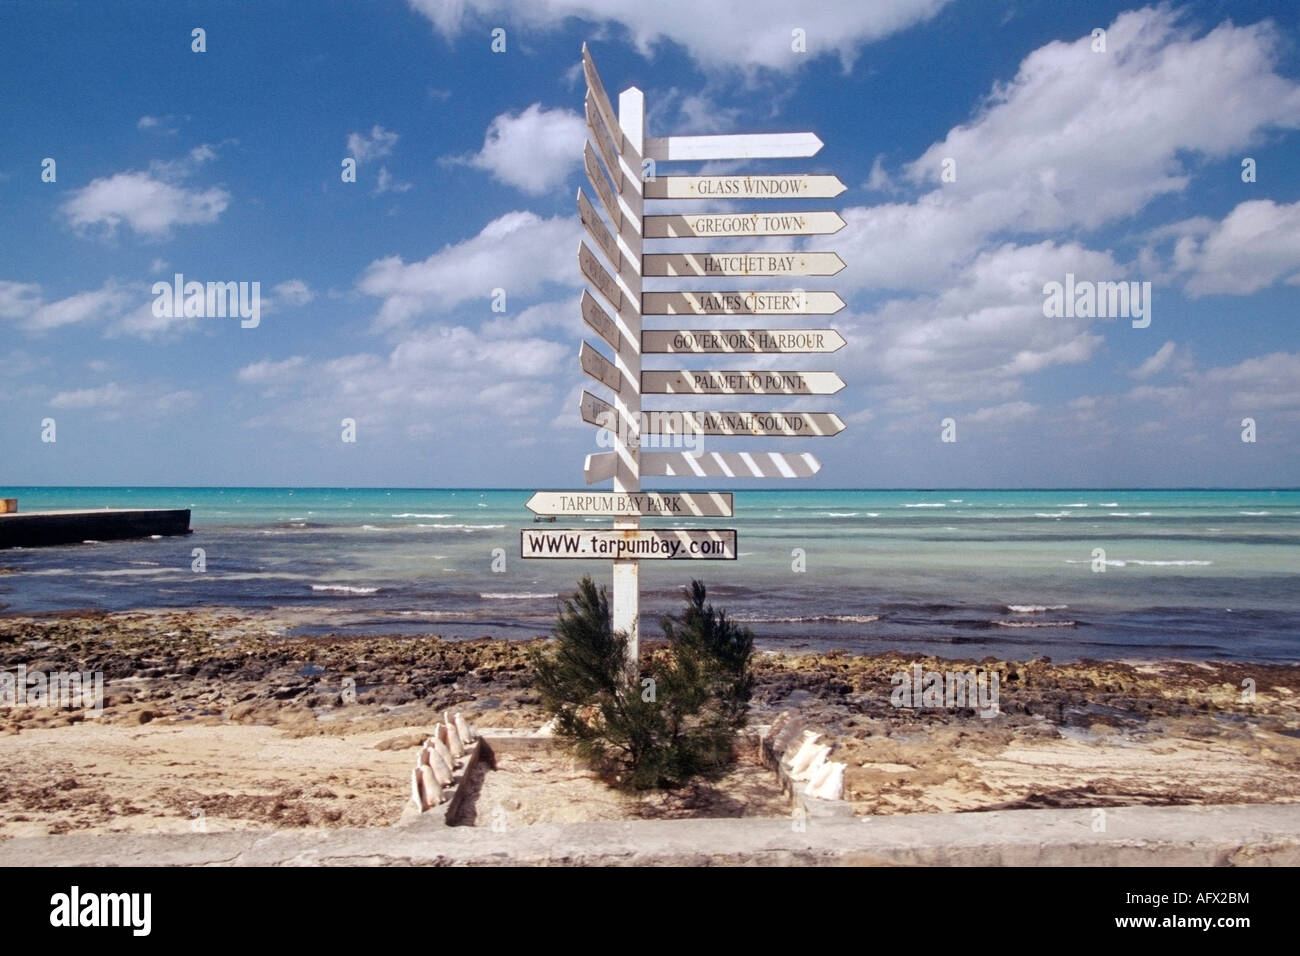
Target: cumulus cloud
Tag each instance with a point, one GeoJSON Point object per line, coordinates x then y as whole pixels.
{"type": "Point", "coordinates": [519, 252]}
{"type": "Point", "coordinates": [1076, 140]}
{"type": "Point", "coordinates": [1255, 245]}
{"type": "Point", "coordinates": [727, 34]}
{"type": "Point", "coordinates": [151, 203]}
{"type": "Point", "coordinates": [497, 379]}
{"type": "Point", "coordinates": [534, 151]}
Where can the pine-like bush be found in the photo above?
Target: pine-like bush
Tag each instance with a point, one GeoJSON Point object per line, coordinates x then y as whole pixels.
{"type": "Point", "coordinates": [672, 721]}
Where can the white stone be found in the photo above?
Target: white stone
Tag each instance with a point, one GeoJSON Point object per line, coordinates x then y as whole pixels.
{"type": "Point", "coordinates": [462, 728]}
{"type": "Point", "coordinates": [819, 754]}
{"type": "Point", "coordinates": [803, 754]}
{"type": "Point", "coordinates": [829, 782]}
{"type": "Point", "coordinates": [453, 740]}
{"type": "Point", "coordinates": [442, 771]}
{"type": "Point", "coordinates": [432, 792]}
{"type": "Point", "coordinates": [416, 796]}
{"type": "Point", "coordinates": [444, 752]}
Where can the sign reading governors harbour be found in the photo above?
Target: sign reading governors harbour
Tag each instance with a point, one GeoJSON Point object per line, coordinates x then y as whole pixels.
{"type": "Point", "coordinates": [621, 164]}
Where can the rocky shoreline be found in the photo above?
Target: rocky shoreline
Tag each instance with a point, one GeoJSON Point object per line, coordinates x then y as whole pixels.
{"type": "Point", "coordinates": [1083, 734]}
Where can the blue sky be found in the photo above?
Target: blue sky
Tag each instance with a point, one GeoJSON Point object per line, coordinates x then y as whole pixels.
{"type": "Point", "coordinates": [376, 296]}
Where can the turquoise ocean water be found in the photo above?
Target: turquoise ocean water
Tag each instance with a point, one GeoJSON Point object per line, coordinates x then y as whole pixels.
{"type": "Point", "coordinates": [1188, 574]}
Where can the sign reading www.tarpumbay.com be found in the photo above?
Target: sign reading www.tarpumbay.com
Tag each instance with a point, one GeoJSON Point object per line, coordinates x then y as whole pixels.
{"type": "Point", "coordinates": [664, 544]}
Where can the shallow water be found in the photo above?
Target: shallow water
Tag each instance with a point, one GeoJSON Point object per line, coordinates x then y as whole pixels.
{"type": "Point", "coordinates": [1188, 574]}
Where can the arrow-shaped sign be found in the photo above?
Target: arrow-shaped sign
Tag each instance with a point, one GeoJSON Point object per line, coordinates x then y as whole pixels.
{"type": "Point", "coordinates": [736, 146]}
{"type": "Point", "coordinates": [601, 185]}
{"type": "Point", "coordinates": [597, 411]}
{"type": "Point", "coordinates": [595, 227]}
{"type": "Point", "coordinates": [598, 277]}
{"type": "Point", "coordinates": [792, 302]}
{"type": "Point", "coordinates": [786, 341]}
{"type": "Point", "coordinates": [670, 504]}
{"type": "Point", "coordinates": [713, 464]}
{"type": "Point", "coordinates": [743, 187]}
{"type": "Point", "coordinates": [598, 321]}
{"type": "Point", "coordinates": [742, 264]}
{"type": "Point", "coordinates": [713, 225]}
{"type": "Point", "coordinates": [606, 110]}
{"type": "Point", "coordinates": [757, 424]}
{"type": "Point", "coordinates": [600, 368]}
{"type": "Point", "coordinates": [757, 382]}
{"type": "Point", "coordinates": [608, 152]}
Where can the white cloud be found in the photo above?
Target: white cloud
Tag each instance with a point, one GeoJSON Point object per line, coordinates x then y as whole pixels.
{"type": "Point", "coordinates": [497, 380]}
{"type": "Point", "coordinates": [292, 292]}
{"type": "Point", "coordinates": [519, 252]}
{"type": "Point", "coordinates": [1084, 138]}
{"type": "Point", "coordinates": [378, 144]}
{"type": "Point", "coordinates": [980, 337]}
{"type": "Point", "coordinates": [150, 206]}
{"type": "Point", "coordinates": [388, 183]}
{"type": "Point", "coordinates": [24, 303]}
{"type": "Point", "coordinates": [724, 34]}
{"type": "Point", "coordinates": [18, 299]}
{"type": "Point", "coordinates": [1255, 245]}
{"type": "Point", "coordinates": [1075, 140]}
{"type": "Point", "coordinates": [112, 401]}
{"type": "Point", "coordinates": [535, 150]}
{"type": "Point", "coordinates": [1156, 363]}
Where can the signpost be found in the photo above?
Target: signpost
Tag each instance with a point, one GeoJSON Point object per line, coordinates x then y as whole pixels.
{"type": "Point", "coordinates": [619, 160]}
{"type": "Point", "coordinates": [744, 264]}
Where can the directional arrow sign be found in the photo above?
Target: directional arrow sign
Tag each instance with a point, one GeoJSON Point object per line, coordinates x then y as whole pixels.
{"type": "Point", "coordinates": [713, 464]}
{"type": "Point", "coordinates": [600, 368]}
{"type": "Point", "coordinates": [598, 277]}
{"type": "Point", "coordinates": [758, 382]}
{"type": "Point", "coordinates": [606, 110]}
{"type": "Point", "coordinates": [671, 504]}
{"type": "Point", "coordinates": [705, 226]}
{"type": "Point", "coordinates": [788, 341]}
{"type": "Point", "coordinates": [597, 411]}
{"type": "Point", "coordinates": [601, 185]}
{"type": "Point", "coordinates": [596, 229]}
{"type": "Point", "coordinates": [669, 544]}
{"type": "Point", "coordinates": [740, 146]}
{"type": "Point", "coordinates": [742, 263]}
{"type": "Point", "coordinates": [743, 187]}
{"type": "Point", "coordinates": [764, 424]}
{"type": "Point", "coordinates": [791, 302]}
{"type": "Point", "coordinates": [598, 321]}
{"type": "Point", "coordinates": [608, 152]}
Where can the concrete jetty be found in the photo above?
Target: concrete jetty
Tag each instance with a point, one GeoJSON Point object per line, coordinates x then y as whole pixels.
{"type": "Point", "coordinates": [37, 529]}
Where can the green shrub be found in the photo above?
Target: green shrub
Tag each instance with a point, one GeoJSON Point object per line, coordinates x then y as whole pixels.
{"type": "Point", "coordinates": [659, 727]}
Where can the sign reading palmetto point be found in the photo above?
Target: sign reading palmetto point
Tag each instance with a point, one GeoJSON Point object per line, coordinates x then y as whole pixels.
{"type": "Point", "coordinates": [619, 160]}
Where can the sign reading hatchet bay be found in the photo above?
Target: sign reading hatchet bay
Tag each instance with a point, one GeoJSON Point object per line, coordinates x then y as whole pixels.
{"type": "Point", "coordinates": [620, 162]}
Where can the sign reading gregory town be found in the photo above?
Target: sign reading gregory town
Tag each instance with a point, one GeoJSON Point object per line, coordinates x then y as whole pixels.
{"type": "Point", "coordinates": [620, 161]}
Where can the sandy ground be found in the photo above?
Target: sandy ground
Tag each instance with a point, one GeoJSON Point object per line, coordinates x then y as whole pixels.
{"type": "Point", "coordinates": [527, 788]}
{"type": "Point", "coordinates": [217, 720]}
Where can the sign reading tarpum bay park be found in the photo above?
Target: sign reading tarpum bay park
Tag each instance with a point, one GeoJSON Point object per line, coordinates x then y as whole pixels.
{"type": "Point", "coordinates": [620, 162]}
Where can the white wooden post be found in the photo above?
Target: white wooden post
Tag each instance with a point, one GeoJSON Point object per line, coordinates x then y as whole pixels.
{"type": "Point", "coordinates": [627, 474]}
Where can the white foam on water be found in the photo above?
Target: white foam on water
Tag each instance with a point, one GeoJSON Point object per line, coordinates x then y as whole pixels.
{"type": "Point", "coordinates": [516, 595]}
{"type": "Point", "coordinates": [1034, 624]}
{"type": "Point", "coordinates": [1035, 608]}
{"type": "Point", "coordinates": [343, 589]}
{"type": "Point", "coordinates": [926, 504]}
{"type": "Point", "coordinates": [418, 514]}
